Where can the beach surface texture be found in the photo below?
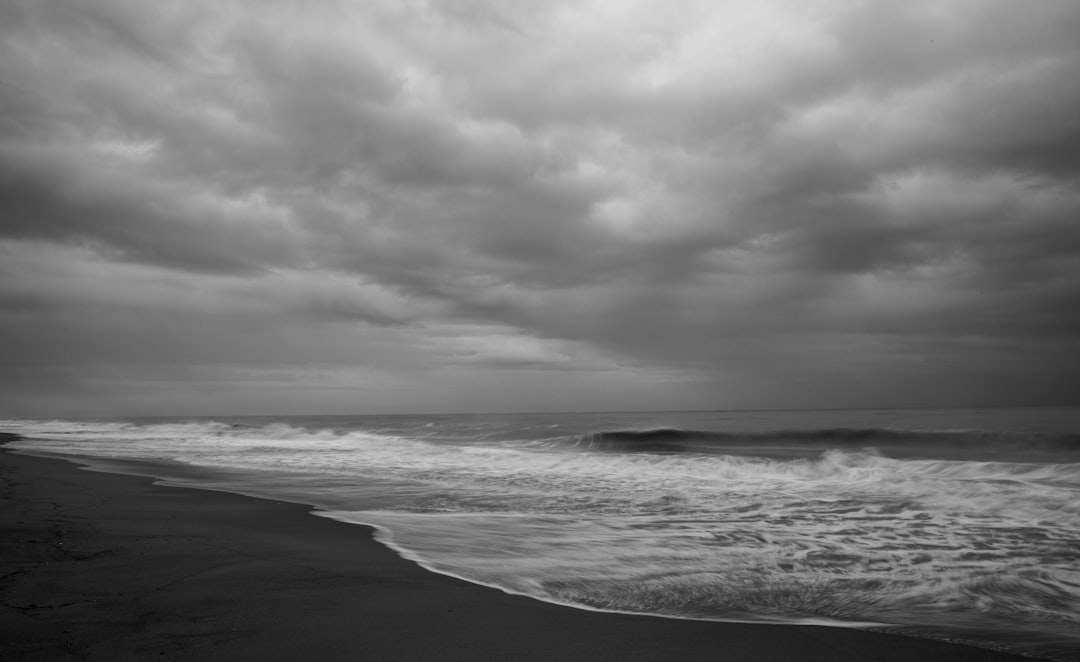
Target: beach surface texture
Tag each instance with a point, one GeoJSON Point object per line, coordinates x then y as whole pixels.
{"type": "Point", "coordinates": [99, 566]}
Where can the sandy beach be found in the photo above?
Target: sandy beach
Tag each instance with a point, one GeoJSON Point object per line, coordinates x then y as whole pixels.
{"type": "Point", "coordinates": [97, 566]}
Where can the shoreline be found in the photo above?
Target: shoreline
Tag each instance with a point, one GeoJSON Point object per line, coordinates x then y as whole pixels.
{"type": "Point", "coordinates": [169, 473]}
{"type": "Point", "coordinates": [98, 565]}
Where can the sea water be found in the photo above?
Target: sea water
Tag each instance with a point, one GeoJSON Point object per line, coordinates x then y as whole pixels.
{"type": "Point", "coordinates": [962, 524]}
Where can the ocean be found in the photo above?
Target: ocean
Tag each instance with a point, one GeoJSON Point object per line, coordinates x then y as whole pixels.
{"type": "Point", "coordinates": [946, 523]}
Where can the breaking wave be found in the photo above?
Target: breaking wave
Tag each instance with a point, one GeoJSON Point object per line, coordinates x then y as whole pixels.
{"type": "Point", "coordinates": [904, 443]}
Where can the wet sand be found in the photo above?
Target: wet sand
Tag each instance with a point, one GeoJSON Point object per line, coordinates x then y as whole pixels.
{"type": "Point", "coordinates": [97, 566]}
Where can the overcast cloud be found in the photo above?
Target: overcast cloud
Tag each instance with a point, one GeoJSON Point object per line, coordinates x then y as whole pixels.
{"type": "Point", "coordinates": [459, 205]}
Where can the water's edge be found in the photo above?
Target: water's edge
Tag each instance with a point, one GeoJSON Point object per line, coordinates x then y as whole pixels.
{"type": "Point", "coordinates": [176, 474]}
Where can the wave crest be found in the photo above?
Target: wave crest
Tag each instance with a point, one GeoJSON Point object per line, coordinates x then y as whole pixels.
{"type": "Point", "coordinates": [893, 442]}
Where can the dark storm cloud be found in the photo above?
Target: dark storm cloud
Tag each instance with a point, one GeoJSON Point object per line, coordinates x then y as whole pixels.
{"type": "Point", "coordinates": [703, 199]}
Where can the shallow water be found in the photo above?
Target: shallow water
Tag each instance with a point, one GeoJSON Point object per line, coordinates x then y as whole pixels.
{"type": "Point", "coordinates": [963, 523]}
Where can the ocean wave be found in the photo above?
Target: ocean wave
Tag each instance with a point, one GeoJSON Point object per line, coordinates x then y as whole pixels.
{"type": "Point", "coordinates": [853, 453]}
{"type": "Point", "coordinates": [905, 442]}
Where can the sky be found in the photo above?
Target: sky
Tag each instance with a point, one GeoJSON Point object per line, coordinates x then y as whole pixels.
{"type": "Point", "coordinates": [226, 207]}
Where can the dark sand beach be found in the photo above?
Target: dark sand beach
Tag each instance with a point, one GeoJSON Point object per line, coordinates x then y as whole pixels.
{"type": "Point", "coordinates": [97, 566]}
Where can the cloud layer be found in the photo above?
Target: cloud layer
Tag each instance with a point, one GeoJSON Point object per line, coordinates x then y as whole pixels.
{"type": "Point", "coordinates": [210, 207]}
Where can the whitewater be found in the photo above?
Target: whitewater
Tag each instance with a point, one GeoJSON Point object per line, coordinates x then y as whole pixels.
{"type": "Point", "coordinates": [962, 524]}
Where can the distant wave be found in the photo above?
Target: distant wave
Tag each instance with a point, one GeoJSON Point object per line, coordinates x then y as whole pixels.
{"type": "Point", "coordinates": [946, 442]}
{"type": "Point", "coordinates": [125, 438]}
